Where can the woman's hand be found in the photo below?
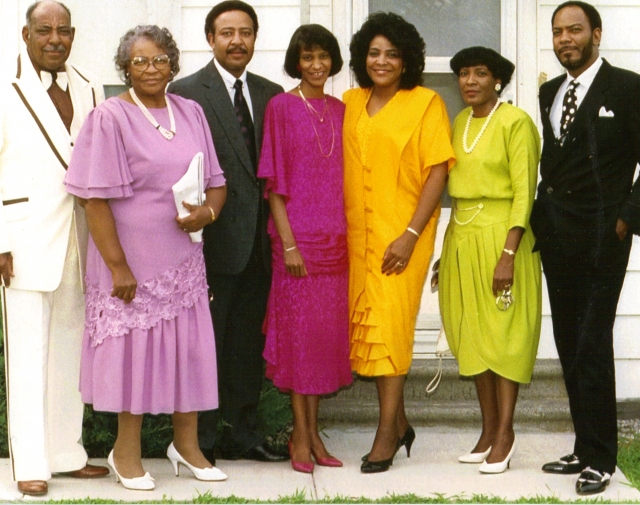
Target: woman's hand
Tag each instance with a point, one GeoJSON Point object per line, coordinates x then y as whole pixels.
{"type": "Point", "coordinates": [124, 283]}
{"type": "Point", "coordinates": [199, 216]}
{"type": "Point", "coordinates": [397, 255]}
{"type": "Point", "coordinates": [503, 274]}
{"type": "Point", "coordinates": [294, 263]}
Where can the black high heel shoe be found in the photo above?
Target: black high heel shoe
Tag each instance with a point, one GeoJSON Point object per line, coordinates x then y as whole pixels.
{"type": "Point", "coordinates": [406, 440]}
{"type": "Point", "coordinates": [377, 466]}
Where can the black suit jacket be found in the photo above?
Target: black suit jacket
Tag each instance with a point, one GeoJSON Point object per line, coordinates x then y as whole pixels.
{"type": "Point", "coordinates": [587, 183]}
{"type": "Point", "coordinates": [228, 242]}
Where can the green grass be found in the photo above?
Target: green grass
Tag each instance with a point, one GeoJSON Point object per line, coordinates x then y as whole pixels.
{"type": "Point", "coordinates": [302, 497]}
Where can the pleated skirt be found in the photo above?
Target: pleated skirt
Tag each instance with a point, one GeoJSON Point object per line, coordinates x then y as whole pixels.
{"type": "Point", "coordinates": [481, 336]}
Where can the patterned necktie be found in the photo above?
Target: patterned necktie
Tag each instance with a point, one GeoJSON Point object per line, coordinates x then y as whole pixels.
{"type": "Point", "coordinates": [244, 118]}
{"type": "Point", "coordinates": [569, 108]}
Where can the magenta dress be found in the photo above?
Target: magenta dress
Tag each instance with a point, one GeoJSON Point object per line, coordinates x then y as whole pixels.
{"type": "Point", "coordinates": [156, 354]}
{"type": "Point", "coordinates": [307, 325]}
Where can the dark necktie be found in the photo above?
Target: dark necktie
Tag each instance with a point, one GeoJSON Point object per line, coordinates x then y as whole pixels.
{"type": "Point", "coordinates": [62, 101]}
{"type": "Point", "coordinates": [246, 123]}
{"type": "Point", "coordinates": [569, 108]}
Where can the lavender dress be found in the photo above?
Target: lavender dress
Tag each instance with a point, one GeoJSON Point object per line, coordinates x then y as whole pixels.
{"type": "Point", "coordinates": [156, 354]}
{"type": "Point", "coordinates": [307, 326]}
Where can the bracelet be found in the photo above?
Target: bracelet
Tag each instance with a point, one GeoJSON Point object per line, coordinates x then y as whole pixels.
{"type": "Point", "coordinates": [509, 252]}
{"type": "Point", "coordinates": [288, 249]}
{"type": "Point", "coordinates": [411, 230]}
{"type": "Point", "coordinates": [213, 214]}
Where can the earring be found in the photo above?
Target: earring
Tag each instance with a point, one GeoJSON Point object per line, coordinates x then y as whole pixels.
{"type": "Point", "coordinates": [498, 87]}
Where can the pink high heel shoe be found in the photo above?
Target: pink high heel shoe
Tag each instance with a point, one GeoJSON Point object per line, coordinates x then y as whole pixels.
{"type": "Point", "coordinates": [299, 466]}
{"type": "Point", "coordinates": [328, 461]}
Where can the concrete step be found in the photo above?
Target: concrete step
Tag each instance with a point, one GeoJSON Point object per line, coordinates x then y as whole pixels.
{"type": "Point", "coordinates": [542, 403]}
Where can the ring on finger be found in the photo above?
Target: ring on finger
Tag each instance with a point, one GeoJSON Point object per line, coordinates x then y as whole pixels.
{"type": "Point", "coordinates": [400, 264]}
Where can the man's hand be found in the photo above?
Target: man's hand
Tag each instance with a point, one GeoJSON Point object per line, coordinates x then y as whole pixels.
{"type": "Point", "coordinates": [6, 268]}
{"type": "Point", "coordinates": [621, 229]}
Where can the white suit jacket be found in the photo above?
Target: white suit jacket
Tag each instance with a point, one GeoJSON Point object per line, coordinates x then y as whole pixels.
{"type": "Point", "coordinates": [35, 148]}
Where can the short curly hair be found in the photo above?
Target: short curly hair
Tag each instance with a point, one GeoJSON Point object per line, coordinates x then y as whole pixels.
{"type": "Point", "coordinates": [159, 36]}
{"type": "Point", "coordinates": [306, 37]}
{"type": "Point", "coordinates": [500, 67]}
{"type": "Point", "coordinates": [402, 34]}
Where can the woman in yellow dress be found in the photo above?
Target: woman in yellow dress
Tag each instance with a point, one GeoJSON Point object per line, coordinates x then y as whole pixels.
{"type": "Point", "coordinates": [397, 153]}
{"type": "Point", "coordinates": [490, 297]}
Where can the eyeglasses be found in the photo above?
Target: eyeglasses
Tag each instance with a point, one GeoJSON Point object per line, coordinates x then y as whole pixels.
{"type": "Point", "coordinates": [141, 63]}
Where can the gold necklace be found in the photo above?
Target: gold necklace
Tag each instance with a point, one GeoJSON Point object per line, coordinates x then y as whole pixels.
{"type": "Point", "coordinates": [310, 111]}
{"type": "Point", "coordinates": [312, 108]}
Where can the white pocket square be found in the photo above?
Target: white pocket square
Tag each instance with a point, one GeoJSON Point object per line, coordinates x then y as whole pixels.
{"type": "Point", "coordinates": [605, 113]}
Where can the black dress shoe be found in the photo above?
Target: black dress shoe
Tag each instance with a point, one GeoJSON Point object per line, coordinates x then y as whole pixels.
{"type": "Point", "coordinates": [258, 453]}
{"type": "Point", "coordinates": [592, 481]}
{"type": "Point", "coordinates": [565, 465]}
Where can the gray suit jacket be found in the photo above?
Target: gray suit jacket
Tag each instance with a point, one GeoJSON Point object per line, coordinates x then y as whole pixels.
{"type": "Point", "coordinates": [228, 242]}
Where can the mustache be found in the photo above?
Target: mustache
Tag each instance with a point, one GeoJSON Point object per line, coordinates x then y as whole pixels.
{"type": "Point", "coordinates": [237, 49]}
{"type": "Point", "coordinates": [55, 48]}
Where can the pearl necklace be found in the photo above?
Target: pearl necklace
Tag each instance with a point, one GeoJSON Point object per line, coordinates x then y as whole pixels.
{"type": "Point", "coordinates": [465, 135]}
{"type": "Point", "coordinates": [167, 134]}
{"type": "Point", "coordinates": [310, 109]}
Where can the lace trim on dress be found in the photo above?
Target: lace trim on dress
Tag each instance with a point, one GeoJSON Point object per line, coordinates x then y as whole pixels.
{"type": "Point", "coordinates": [160, 298]}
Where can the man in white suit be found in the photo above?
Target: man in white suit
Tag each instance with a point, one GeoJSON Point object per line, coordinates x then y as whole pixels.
{"type": "Point", "coordinates": [42, 250]}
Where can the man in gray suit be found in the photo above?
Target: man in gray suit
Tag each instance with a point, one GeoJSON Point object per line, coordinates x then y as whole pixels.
{"type": "Point", "coordinates": [236, 247]}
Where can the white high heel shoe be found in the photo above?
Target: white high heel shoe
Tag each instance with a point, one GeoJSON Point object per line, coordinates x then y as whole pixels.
{"type": "Point", "coordinates": [501, 466]}
{"type": "Point", "coordinates": [144, 483]}
{"type": "Point", "coordinates": [474, 457]}
{"type": "Point", "coordinates": [207, 474]}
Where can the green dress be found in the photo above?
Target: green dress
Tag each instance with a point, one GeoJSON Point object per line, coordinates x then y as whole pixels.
{"type": "Point", "coordinates": [493, 189]}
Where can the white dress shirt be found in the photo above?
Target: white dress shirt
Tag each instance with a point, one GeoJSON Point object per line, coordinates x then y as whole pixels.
{"type": "Point", "coordinates": [584, 80]}
{"type": "Point", "coordinates": [230, 80]}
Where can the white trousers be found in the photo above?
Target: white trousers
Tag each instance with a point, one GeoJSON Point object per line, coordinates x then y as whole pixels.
{"type": "Point", "coordinates": [43, 336]}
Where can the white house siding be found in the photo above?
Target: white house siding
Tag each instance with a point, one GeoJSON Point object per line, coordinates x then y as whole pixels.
{"type": "Point", "coordinates": [526, 39]}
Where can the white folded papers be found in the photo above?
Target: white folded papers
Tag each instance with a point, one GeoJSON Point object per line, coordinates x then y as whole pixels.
{"type": "Point", "coordinates": [190, 189]}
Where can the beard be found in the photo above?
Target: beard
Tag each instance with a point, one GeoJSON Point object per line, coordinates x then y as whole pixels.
{"type": "Point", "coordinates": [585, 55]}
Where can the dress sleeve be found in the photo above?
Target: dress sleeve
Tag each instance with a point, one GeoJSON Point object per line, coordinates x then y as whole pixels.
{"type": "Point", "coordinates": [99, 167]}
{"type": "Point", "coordinates": [523, 152]}
{"type": "Point", "coordinates": [272, 166]}
{"type": "Point", "coordinates": [435, 139]}
{"type": "Point", "coordinates": [213, 175]}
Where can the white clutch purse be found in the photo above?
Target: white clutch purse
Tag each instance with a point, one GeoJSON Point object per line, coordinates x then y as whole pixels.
{"type": "Point", "coordinates": [190, 189]}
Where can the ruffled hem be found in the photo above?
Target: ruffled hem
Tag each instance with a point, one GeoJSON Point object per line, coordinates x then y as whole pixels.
{"type": "Point", "coordinates": [159, 298]}
{"type": "Point", "coordinates": [369, 354]}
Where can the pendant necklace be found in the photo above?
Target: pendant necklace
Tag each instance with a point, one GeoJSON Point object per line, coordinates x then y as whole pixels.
{"type": "Point", "coordinates": [465, 135]}
{"type": "Point", "coordinates": [167, 134]}
{"type": "Point", "coordinates": [312, 111]}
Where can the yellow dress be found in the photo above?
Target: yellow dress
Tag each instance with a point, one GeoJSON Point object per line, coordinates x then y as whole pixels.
{"type": "Point", "coordinates": [493, 188]}
{"type": "Point", "coordinates": [388, 158]}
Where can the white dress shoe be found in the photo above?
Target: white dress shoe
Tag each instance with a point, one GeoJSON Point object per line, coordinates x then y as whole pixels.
{"type": "Point", "coordinates": [501, 466]}
{"type": "Point", "coordinates": [474, 457]}
{"type": "Point", "coordinates": [144, 483]}
{"type": "Point", "coordinates": [207, 474]}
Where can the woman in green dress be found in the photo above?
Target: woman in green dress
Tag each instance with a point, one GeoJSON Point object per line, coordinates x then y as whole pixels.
{"type": "Point", "coordinates": [490, 296]}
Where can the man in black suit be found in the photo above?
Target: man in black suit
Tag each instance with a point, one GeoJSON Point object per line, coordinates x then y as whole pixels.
{"type": "Point", "coordinates": [586, 208]}
{"type": "Point", "coordinates": [236, 246]}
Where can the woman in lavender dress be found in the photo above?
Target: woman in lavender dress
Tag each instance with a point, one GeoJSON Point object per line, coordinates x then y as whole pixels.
{"type": "Point", "coordinates": [148, 344]}
{"type": "Point", "coordinates": [307, 346]}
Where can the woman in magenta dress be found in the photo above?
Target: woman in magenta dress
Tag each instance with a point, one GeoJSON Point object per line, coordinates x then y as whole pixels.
{"type": "Point", "coordinates": [148, 344]}
{"type": "Point", "coordinates": [307, 341]}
